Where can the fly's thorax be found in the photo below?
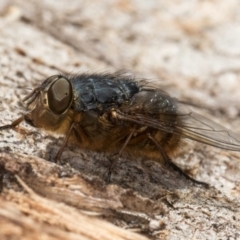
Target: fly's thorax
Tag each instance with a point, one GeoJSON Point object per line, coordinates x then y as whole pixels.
{"type": "Point", "coordinates": [50, 103]}
{"type": "Point", "coordinates": [102, 92]}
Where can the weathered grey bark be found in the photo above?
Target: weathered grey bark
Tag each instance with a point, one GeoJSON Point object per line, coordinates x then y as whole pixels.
{"type": "Point", "coordinates": [190, 50]}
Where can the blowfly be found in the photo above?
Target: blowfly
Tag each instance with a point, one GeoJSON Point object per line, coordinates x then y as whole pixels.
{"type": "Point", "coordinates": [116, 114]}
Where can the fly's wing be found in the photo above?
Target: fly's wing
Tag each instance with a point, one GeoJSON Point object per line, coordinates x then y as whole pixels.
{"type": "Point", "coordinates": [158, 110]}
{"type": "Point", "coordinates": [199, 128]}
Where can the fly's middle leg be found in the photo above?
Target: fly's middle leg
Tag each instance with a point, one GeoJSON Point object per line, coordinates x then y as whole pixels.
{"type": "Point", "coordinates": [116, 156]}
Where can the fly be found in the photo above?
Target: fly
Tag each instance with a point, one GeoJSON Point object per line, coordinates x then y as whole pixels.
{"type": "Point", "coordinates": [116, 114]}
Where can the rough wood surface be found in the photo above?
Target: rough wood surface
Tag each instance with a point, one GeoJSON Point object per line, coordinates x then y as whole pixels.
{"type": "Point", "coordinates": [191, 49]}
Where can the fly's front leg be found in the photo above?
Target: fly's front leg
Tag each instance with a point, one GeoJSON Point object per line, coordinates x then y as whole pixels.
{"type": "Point", "coordinates": [60, 151]}
{"type": "Point", "coordinates": [76, 120]}
{"type": "Point", "coordinates": [13, 124]}
{"type": "Point", "coordinates": [168, 162]}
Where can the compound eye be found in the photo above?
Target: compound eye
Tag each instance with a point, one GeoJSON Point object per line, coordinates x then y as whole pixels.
{"type": "Point", "coordinates": [60, 96]}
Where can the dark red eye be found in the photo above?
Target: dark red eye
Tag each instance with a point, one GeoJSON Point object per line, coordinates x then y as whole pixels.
{"type": "Point", "coordinates": [60, 96]}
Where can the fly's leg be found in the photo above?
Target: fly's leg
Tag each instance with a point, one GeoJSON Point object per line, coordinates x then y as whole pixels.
{"type": "Point", "coordinates": [76, 119]}
{"type": "Point", "coordinates": [13, 124]}
{"type": "Point", "coordinates": [60, 151]}
{"type": "Point", "coordinates": [168, 162]}
{"type": "Point", "coordinates": [116, 156]}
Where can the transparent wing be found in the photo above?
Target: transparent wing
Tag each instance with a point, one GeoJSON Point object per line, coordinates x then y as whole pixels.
{"type": "Point", "coordinates": [158, 110]}
{"type": "Point", "coordinates": [199, 128]}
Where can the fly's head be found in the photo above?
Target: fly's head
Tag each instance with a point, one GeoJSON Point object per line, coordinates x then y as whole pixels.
{"type": "Point", "coordinates": [49, 103]}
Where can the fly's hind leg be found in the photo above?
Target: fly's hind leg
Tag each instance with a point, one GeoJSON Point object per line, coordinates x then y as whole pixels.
{"type": "Point", "coordinates": [168, 162]}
